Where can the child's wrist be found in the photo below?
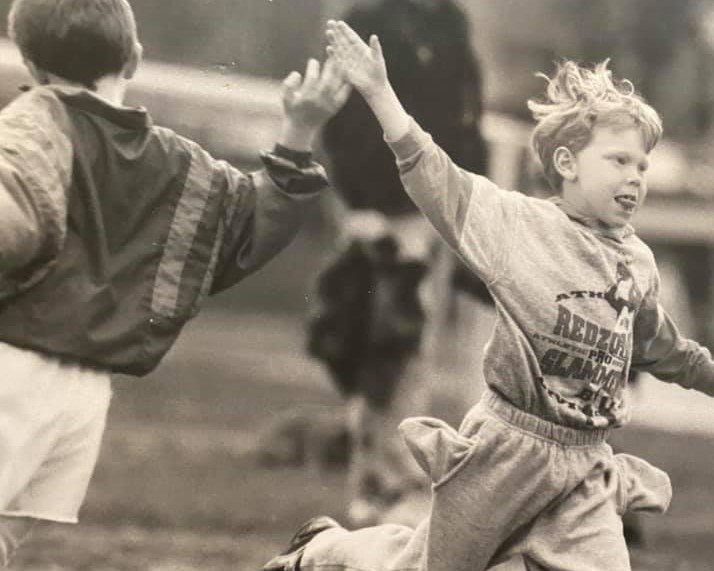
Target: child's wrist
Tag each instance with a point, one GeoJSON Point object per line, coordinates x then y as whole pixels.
{"type": "Point", "coordinates": [388, 110]}
{"type": "Point", "coordinates": [376, 93]}
{"type": "Point", "coordinates": [296, 136]}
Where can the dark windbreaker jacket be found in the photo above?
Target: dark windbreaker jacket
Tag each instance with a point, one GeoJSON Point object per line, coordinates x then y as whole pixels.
{"type": "Point", "coordinates": [113, 230]}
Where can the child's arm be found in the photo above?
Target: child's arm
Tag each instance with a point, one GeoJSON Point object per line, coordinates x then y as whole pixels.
{"type": "Point", "coordinates": [446, 194]}
{"type": "Point", "coordinates": [266, 209]}
{"type": "Point", "coordinates": [365, 68]}
{"type": "Point", "coordinates": [35, 170]}
{"type": "Point", "coordinates": [659, 349]}
{"type": "Point", "coordinates": [20, 233]}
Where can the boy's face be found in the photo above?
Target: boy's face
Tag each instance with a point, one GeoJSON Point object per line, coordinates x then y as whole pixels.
{"type": "Point", "coordinates": [609, 181]}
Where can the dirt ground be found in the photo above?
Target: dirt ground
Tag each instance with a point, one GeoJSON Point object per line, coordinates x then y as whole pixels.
{"type": "Point", "coordinates": [178, 486]}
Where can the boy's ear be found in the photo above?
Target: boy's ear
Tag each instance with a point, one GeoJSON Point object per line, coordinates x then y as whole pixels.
{"type": "Point", "coordinates": [564, 163]}
{"type": "Point", "coordinates": [133, 63]}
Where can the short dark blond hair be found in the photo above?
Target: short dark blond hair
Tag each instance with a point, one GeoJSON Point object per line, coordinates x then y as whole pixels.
{"type": "Point", "coordinates": [576, 100]}
{"type": "Point", "coordinates": [78, 40]}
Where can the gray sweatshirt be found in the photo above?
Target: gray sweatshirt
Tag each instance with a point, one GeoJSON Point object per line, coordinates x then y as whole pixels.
{"type": "Point", "coordinates": [577, 305]}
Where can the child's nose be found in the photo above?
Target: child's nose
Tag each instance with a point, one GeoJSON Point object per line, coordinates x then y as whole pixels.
{"type": "Point", "coordinates": [635, 178]}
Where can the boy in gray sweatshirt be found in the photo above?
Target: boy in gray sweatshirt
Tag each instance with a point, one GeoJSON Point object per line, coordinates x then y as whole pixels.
{"type": "Point", "coordinates": [576, 294]}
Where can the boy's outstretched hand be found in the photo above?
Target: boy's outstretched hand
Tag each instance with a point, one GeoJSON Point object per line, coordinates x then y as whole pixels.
{"type": "Point", "coordinates": [362, 65]}
{"type": "Point", "coordinates": [311, 100]}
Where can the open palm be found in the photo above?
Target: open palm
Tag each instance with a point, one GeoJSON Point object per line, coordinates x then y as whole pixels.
{"type": "Point", "coordinates": [312, 99]}
{"type": "Point", "coordinates": [361, 64]}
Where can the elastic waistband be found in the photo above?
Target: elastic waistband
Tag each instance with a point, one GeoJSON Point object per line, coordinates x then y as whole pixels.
{"type": "Point", "coordinates": [566, 435]}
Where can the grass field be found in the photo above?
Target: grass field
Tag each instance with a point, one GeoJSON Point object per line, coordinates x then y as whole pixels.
{"type": "Point", "coordinates": [177, 486]}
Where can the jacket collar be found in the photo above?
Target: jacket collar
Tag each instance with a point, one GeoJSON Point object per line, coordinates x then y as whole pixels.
{"type": "Point", "coordinates": [86, 100]}
{"type": "Point", "coordinates": [617, 234]}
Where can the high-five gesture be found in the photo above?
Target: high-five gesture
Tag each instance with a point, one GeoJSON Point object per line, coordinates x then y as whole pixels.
{"type": "Point", "coordinates": [363, 66]}
{"type": "Point", "coordinates": [311, 100]}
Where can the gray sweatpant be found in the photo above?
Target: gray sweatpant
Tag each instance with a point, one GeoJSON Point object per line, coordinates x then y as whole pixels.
{"type": "Point", "coordinates": [506, 485]}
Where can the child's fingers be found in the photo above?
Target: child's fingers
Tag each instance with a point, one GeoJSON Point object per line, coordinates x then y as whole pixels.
{"type": "Point", "coordinates": [330, 72]}
{"type": "Point", "coordinates": [330, 27]}
{"type": "Point", "coordinates": [331, 38]}
{"type": "Point", "coordinates": [339, 51]}
{"type": "Point", "coordinates": [293, 81]}
{"type": "Point", "coordinates": [375, 46]}
{"type": "Point", "coordinates": [312, 72]}
{"type": "Point", "coordinates": [333, 79]}
{"type": "Point", "coordinates": [338, 63]}
{"type": "Point", "coordinates": [338, 36]}
{"type": "Point", "coordinates": [349, 35]}
{"type": "Point", "coordinates": [342, 94]}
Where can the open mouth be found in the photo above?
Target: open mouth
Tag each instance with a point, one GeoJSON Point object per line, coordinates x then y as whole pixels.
{"type": "Point", "coordinates": [627, 201]}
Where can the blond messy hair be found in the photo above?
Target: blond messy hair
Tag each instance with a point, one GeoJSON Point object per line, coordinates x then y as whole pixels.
{"type": "Point", "coordinates": [576, 100]}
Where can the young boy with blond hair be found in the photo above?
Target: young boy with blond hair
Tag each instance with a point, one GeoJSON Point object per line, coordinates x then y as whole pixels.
{"type": "Point", "coordinates": [112, 232]}
{"type": "Point", "coordinates": [576, 296]}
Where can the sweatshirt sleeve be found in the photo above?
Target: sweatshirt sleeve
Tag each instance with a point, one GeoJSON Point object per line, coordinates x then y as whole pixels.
{"type": "Point", "coordinates": [35, 171]}
{"type": "Point", "coordinates": [660, 349]}
{"type": "Point", "coordinates": [469, 211]}
{"type": "Point", "coordinates": [265, 210]}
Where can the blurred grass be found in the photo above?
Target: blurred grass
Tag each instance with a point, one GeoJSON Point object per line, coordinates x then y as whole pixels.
{"type": "Point", "coordinates": [190, 495]}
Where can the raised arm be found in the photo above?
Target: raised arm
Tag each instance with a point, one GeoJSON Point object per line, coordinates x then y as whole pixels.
{"type": "Point", "coordinates": [364, 67]}
{"type": "Point", "coordinates": [265, 210]}
{"type": "Point", "coordinates": [468, 211]}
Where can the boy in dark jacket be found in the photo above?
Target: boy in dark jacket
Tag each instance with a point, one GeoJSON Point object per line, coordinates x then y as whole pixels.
{"type": "Point", "coordinates": [112, 232]}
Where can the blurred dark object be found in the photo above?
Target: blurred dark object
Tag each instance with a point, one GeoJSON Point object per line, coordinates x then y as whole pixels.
{"type": "Point", "coordinates": [366, 317]}
{"type": "Point", "coordinates": [438, 79]}
{"type": "Point", "coordinates": [464, 280]}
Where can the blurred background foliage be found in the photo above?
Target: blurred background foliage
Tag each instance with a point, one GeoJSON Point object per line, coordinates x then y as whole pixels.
{"type": "Point", "coordinates": [663, 46]}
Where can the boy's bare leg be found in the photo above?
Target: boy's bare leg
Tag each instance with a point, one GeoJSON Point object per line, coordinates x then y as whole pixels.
{"type": "Point", "coordinates": [14, 531]}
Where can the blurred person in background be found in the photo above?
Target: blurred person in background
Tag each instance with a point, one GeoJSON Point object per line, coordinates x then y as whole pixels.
{"type": "Point", "coordinates": [112, 233]}
{"type": "Point", "coordinates": [383, 299]}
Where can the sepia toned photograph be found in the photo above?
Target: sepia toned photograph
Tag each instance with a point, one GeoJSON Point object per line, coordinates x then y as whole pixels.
{"type": "Point", "coordinates": [357, 285]}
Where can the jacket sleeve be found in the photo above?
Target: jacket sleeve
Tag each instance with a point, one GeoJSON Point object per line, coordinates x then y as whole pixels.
{"type": "Point", "coordinates": [660, 349]}
{"type": "Point", "coordinates": [35, 171]}
{"type": "Point", "coordinates": [473, 215]}
{"type": "Point", "coordinates": [265, 210]}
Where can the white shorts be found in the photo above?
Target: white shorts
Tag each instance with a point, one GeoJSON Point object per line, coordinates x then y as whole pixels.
{"type": "Point", "coordinates": [52, 418]}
